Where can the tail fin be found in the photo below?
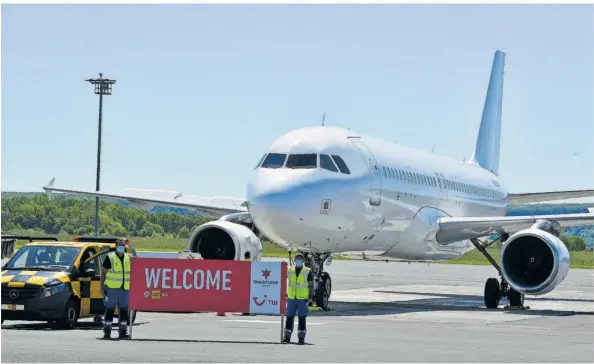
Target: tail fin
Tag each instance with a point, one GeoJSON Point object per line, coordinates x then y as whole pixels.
{"type": "Point", "coordinates": [486, 151]}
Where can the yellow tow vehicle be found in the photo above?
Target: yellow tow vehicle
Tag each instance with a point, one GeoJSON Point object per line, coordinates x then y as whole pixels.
{"type": "Point", "coordinates": [56, 281]}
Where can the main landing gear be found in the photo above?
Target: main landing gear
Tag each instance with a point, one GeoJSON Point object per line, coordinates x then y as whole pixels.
{"type": "Point", "coordinates": [495, 289]}
{"type": "Point", "coordinates": [322, 284]}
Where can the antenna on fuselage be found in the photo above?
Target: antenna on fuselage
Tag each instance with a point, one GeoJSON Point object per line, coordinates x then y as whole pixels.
{"type": "Point", "coordinates": [323, 118]}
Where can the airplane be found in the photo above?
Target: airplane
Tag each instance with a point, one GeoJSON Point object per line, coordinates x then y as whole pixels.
{"type": "Point", "coordinates": [323, 190]}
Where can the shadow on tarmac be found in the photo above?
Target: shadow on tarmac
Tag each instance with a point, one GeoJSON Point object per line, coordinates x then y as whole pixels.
{"type": "Point", "coordinates": [44, 326]}
{"type": "Point", "coordinates": [441, 302]}
{"type": "Point", "coordinates": [215, 341]}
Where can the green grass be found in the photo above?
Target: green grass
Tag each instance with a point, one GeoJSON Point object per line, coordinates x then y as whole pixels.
{"type": "Point", "coordinates": [581, 259]}
{"type": "Point", "coordinates": [161, 244]}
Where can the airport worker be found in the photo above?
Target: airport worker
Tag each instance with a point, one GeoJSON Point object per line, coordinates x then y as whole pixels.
{"type": "Point", "coordinates": [115, 276]}
{"type": "Point", "coordinates": [299, 286]}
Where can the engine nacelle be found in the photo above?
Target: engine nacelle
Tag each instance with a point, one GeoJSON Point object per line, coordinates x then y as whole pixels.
{"type": "Point", "coordinates": [225, 240]}
{"type": "Point", "coordinates": [534, 261]}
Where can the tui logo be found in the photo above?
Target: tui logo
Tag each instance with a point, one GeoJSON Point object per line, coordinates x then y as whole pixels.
{"type": "Point", "coordinates": [261, 302]}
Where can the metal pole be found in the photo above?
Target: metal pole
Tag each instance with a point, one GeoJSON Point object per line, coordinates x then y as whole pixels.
{"type": "Point", "coordinates": [98, 158]}
{"type": "Point", "coordinates": [102, 86]}
{"type": "Point", "coordinates": [282, 325]}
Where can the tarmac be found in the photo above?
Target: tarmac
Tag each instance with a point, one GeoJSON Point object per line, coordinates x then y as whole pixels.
{"type": "Point", "coordinates": [381, 312]}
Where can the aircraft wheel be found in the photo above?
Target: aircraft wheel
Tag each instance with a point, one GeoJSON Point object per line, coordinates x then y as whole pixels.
{"type": "Point", "coordinates": [516, 299]}
{"type": "Point", "coordinates": [323, 292]}
{"type": "Point", "coordinates": [492, 293]}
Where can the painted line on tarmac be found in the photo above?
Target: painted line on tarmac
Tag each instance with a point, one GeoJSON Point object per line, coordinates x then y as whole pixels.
{"type": "Point", "coordinates": [276, 322]}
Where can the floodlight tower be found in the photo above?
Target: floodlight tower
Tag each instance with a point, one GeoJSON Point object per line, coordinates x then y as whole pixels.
{"type": "Point", "coordinates": [102, 87]}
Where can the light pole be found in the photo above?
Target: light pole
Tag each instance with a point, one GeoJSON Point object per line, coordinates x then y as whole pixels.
{"type": "Point", "coordinates": [102, 87]}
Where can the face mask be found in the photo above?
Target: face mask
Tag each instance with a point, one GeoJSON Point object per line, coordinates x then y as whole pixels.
{"type": "Point", "coordinates": [299, 263]}
{"type": "Point", "coordinates": [121, 249]}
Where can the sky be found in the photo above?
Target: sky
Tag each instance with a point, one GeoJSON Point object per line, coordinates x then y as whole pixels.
{"type": "Point", "coordinates": [203, 90]}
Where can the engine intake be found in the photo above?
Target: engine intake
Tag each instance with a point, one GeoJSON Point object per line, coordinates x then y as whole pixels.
{"type": "Point", "coordinates": [224, 240]}
{"type": "Point", "coordinates": [534, 261]}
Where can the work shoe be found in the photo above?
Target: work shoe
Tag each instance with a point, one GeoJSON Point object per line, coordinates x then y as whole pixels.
{"type": "Point", "coordinates": [287, 338]}
{"type": "Point", "coordinates": [301, 336]}
{"type": "Point", "coordinates": [106, 334]}
{"type": "Point", "coordinates": [123, 334]}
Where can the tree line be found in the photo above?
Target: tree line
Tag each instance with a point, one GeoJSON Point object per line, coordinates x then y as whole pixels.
{"type": "Point", "coordinates": [64, 215]}
{"type": "Point", "coordinates": [67, 215]}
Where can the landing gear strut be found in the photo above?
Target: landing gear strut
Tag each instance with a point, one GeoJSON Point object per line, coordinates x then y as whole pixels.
{"type": "Point", "coordinates": [322, 284]}
{"type": "Point", "coordinates": [496, 289]}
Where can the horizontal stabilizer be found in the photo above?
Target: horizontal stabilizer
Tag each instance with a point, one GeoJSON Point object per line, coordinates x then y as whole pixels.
{"type": "Point", "coordinates": [521, 198]}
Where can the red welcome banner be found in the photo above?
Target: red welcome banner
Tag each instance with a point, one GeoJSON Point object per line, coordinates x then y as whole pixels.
{"type": "Point", "coordinates": [196, 285]}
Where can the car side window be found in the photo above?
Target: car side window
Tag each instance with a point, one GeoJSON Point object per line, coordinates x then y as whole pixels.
{"type": "Point", "coordinates": [90, 265]}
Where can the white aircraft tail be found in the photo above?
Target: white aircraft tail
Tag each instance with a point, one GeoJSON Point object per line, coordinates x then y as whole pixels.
{"type": "Point", "coordinates": [486, 151]}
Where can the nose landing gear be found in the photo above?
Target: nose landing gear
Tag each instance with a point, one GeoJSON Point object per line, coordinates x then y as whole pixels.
{"type": "Point", "coordinates": [322, 283]}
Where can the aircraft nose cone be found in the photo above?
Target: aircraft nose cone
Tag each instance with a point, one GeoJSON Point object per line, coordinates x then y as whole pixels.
{"type": "Point", "coordinates": [274, 200]}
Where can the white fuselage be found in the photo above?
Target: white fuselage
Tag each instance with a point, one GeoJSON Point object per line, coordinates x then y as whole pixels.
{"type": "Point", "coordinates": [389, 201]}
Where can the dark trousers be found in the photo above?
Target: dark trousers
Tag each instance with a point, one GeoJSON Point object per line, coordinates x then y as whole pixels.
{"type": "Point", "coordinates": [116, 298]}
{"type": "Point", "coordinates": [299, 308]}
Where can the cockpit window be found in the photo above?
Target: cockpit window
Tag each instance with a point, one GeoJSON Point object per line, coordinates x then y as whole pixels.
{"type": "Point", "coordinates": [341, 164]}
{"type": "Point", "coordinates": [302, 161]}
{"type": "Point", "coordinates": [326, 163]}
{"type": "Point", "coordinates": [274, 160]}
{"type": "Point", "coordinates": [260, 161]}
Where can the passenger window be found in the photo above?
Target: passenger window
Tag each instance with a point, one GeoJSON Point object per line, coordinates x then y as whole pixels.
{"type": "Point", "coordinates": [326, 163]}
{"type": "Point", "coordinates": [341, 164]}
{"type": "Point", "coordinates": [274, 160]}
{"type": "Point", "coordinates": [302, 161]}
{"type": "Point", "coordinates": [260, 161]}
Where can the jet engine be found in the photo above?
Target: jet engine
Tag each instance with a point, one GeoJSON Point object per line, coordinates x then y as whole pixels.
{"type": "Point", "coordinates": [534, 261]}
{"type": "Point", "coordinates": [225, 240]}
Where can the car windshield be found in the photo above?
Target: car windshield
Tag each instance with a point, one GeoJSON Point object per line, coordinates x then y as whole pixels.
{"type": "Point", "coordinates": [43, 258]}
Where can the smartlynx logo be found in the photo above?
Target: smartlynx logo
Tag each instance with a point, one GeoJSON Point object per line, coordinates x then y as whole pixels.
{"type": "Point", "coordinates": [265, 276]}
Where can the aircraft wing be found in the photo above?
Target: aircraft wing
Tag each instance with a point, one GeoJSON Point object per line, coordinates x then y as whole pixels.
{"type": "Point", "coordinates": [452, 229]}
{"type": "Point", "coordinates": [521, 198]}
{"type": "Point", "coordinates": [212, 207]}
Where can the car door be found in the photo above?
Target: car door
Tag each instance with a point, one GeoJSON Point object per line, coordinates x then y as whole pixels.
{"type": "Point", "coordinates": [91, 298]}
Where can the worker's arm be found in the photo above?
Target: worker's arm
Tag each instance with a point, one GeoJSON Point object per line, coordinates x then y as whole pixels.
{"type": "Point", "coordinates": [106, 265]}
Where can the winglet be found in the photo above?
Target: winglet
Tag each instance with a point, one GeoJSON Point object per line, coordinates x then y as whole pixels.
{"type": "Point", "coordinates": [48, 187]}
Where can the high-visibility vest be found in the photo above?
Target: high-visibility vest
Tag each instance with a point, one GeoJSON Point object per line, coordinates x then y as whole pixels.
{"type": "Point", "coordinates": [298, 287]}
{"type": "Point", "coordinates": [117, 274]}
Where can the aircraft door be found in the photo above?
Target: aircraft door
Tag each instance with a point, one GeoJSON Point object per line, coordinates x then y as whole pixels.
{"type": "Point", "coordinates": [375, 197]}
{"type": "Point", "coordinates": [445, 187]}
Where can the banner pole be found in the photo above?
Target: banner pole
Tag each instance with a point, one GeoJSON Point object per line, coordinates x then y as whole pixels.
{"type": "Point", "coordinates": [131, 323]}
{"type": "Point", "coordinates": [282, 324]}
